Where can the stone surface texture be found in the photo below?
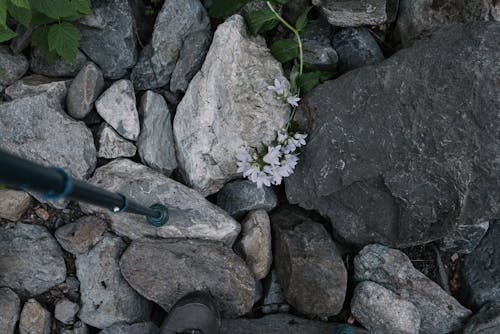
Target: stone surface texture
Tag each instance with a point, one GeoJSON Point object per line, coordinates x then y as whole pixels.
{"type": "Point", "coordinates": [78, 328]}
{"type": "Point", "coordinates": [317, 47]}
{"type": "Point", "coordinates": [392, 269]}
{"type": "Point", "coordinates": [34, 319]}
{"type": "Point", "coordinates": [403, 152]}
{"type": "Point", "coordinates": [139, 328]}
{"type": "Point", "coordinates": [227, 106]}
{"type": "Point", "coordinates": [106, 298]}
{"type": "Point", "coordinates": [84, 90]}
{"type": "Point", "coordinates": [486, 321]}
{"type": "Point", "coordinates": [80, 236]}
{"type": "Point", "coordinates": [13, 66]}
{"type": "Point", "coordinates": [58, 67]}
{"type": "Point", "coordinates": [465, 238]}
{"type": "Point", "coordinates": [36, 84]}
{"type": "Point", "coordinates": [353, 13]}
{"type": "Point", "coordinates": [112, 145]}
{"type": "Point", "coordinates": [156, 143]}
{"type": "Point", "coordinates": [199, 266]}
{"type": "Point", "coordinates": [190, 214]}
{"type": "Point", "coordinates": [10, 307]}
{"type": "Point", "coordinates": [31, 261]}
{"type": "Point", "coordinates": [65, 311]}
{"type": "Point", "coordinates": [13, 204]}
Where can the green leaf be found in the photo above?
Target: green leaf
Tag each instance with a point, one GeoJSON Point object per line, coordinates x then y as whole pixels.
{"type": "Point", "coordinates": [3, 13]}
{"type": "Point", "coordinates": [6, 33]}
{"type": "Point", "coordinates": [63, 38]}
{"type": "Point", "coordinates": [82, 6]}
{"type": "Point", "coordinates": [55, 9]}
{"type": "Point", "coordinates": [301, 23]}
{"type": "Point", "coordinates": [261, 20]}
{"type": "Point", "coordinates": [20, 14]}
{"type": "Point", "coordinates": [308, 81]}
{"type": "Point", "coordinates": [285, 50]}
{"type": "Point", "coordinates": [222, 8]}
{"type": "Point", "coordinates": [39, 18]}
{"type": "Point", "coordinates": [21, 3]}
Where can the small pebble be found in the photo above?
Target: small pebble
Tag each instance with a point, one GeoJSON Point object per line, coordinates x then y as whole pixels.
{"type": "Point", "coordinates": [42, 213]}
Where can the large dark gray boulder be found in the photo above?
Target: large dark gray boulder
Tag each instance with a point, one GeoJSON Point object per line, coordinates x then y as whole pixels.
{"type": "Point", "coordinates": [403, 152]}
{"type": "Point", "coordinates": [486, 321]}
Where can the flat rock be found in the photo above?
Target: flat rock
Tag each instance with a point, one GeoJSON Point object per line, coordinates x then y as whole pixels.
{"type": "Point", "coordinates": [65, 311]}
{"type": "Point", "coordinates": [316, 45]}
{"type": "Point", "coordinates": [242, 196]}
{"type": "Point", "coordinates": [353, 13]}
{"type": "Point", "coordinates": [382, 311]}
{"type": "Point", "coordinates": [394, 154]}
{"type": "Point", "coordinates": [481, 269]}
{"type": "Point", "coordinates": [309, 265]}
{"type": "Point", "coordinates": [13, 66]}
{"type": "Point", "coordinates": [117, 107]}
{"type": "Point", "coordinates": [58, 67]}
{"type": "Point", "coordinates": [392, 269]}
{"type": "Point", "coordinates": [84, 90]}
{"type": "Point", "coordinates": [108, 37]}
{"type": "Point", "coordinates": [465, 238]}
{"type": "Point", "coordinates": [36, 84]}
{"type": "Point", "coordinates": [10, 306]}
{"type": "Point", "coordinates": [255, 243]}
{"type": "Point", "coordinates": [34, 319]}
{"type": "Point", "coordinates": [13, 204]}
{"type": "Point", "coordinates": [180, 41]}
{"type": "Point", "coordinates": [199, 265]}
{"type": "Point", "coordinates": [191, 215]}
{"type": "Point", "coordinates": [139, 328]}
{"type": "Point", "coordinates": [227, 106]}
{"type": "Point", "coordinates": [486, 321]}
{"type": "Point", "coordinates": [80, 236]}
{"type": "Point", "coordinates": [112, 145]}
{"type": "Point", "coordinates": [106, 298]}
{"type": "Point", "coordinates": [156, 141]}
{"type": "Point", "coordinates": [31, 261]}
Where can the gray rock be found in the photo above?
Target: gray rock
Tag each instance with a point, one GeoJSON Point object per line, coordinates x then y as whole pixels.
{"type": "Point", "coordinates": [10, 306]}
{"type": "Point", "coordinates": [112, 145]}
{"type": "Point", "coordinates": [34, 319]}
{"type": "Point", "coordinates": [156, 142]}
{"type": "Point", "coordinates": [58, 67]}
{"type": "Point", "coordinates": [84, 90]}
{"type": "Point", "coordinates": [140, 328]}
{"type": "Point", "coordinates": [274, 299]}
{"type": "Point", "coordinates": [486, 321]}
{"type": "Point", "coordinates": [31, 261]}
{"type": "Point", "coordinates": [175, 268]}
{"type": "Point", "coordinates": [180, 41]}
{"type": "Point", "coordinates": [353, 13]}
{"type": "Point", "coordinates": [227, 106]}
{"type": "Point", "coordinates": [36, 84]}
{"type": "Point", "coordinates": [65, 311]}
{"type": "Point", "coordinates": [78, 328]}
{"type": "Point", "coordinates": [440, 312]}
{"type": "Point", "coordinates": [22, 39]}
{"type": "Point", "coordinates": [465, 238]}
{"type": "Point", "coordinates": [388, 161]}
{"type": "Point", "coordinates": [242, 196]}
{"type": "Point", "coordinates": [382, 311]}
{"type": "Point", "coordinates": [73, 288]}
{"type": "Point", "coordinates": [191, 215]}
{"type": "Point", "coordinates": [108, 37]}
{"type": "Point", "coordinates": [255, 243]}
{"type": "Point", "coordinates": [481, 269]}
{"type": "Point", "coordinates": [117, 107]}
{"type": "Point", "coordinates": [80, 236]}
{"type": "Point", "coordinates": [37, 129]}
{"type": "Point", "coordinates": [13, 66]}
{"type": "Point", "coordinates": [356, 47]}
{"type": "Point", "coordinates": [13, 204]}
{"type": "Point", "coordinates": [106, 298]}
{"type": "Point", "coordinates": [316, 45]}
{"type": "Point", "coordinates": [310, 268]}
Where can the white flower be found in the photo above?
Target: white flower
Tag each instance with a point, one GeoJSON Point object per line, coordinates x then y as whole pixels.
{"type": "Point", "coordinates": [260, 178]}
{"type": "Point", "coordinates": [244, 160]}
{"type": "Point", "coordinates": [282, 136]}
{"type": "Point", "coordinates": [300, 139]}
{"type": "Point", "coordinates": [278, 88]}
{"type": "Point", "coordinates": [288, 164]}
{"type": "Point", "coordinates": [292, 100]}
{"type": "Point", "coordinates": [273, 155]}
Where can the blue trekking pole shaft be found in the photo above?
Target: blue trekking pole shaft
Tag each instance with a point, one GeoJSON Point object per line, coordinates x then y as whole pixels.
{"type": "Point", "coordinates": [55, 183]}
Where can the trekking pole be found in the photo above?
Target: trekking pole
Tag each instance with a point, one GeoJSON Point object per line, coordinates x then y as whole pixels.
{"type": "Point", "coordinates": [55, 183]}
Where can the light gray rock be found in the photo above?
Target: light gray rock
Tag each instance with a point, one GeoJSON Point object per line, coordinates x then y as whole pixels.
{"type": "Point", "coordinates": [140, 328]}
{"type": "Point", "coordinates": [180, 41]}
{"type": "Point", "coordinates": [34, 319]}
{"type": "Point", "coordinates": [440, 312]}
{"type": "Point", "coordinates": [309, 265]}
{"type": "Point", "coordinates": [65, 311]}
{"type": "Point", "coordinates": [10, 306]}
{"type": "Point", "coordinates": [227, 106]}
{"type": "Point", "coordinates": [117, 107]}
{"type": "Point", "coordinates": [106, 298]}
{"type": "Point", "coordinates": [108, 37]}
{"type": "Point", "coordinates": [177, 267]}
{"type": "Point", "coordinates": [353, 13]}
{"type": "Point", "coordinates": [80, 236]}
{"type": "Point", "coordinates": [156, 142]}
{"type": "Point", "coordinates": [316, 45]}
{"type": "Point", "coordinates": [31, 261]}
{"type": "Point", "coordinates": [112, 145]}
{"type": "Point", "coordinates": [78, 328]}
{"type": "Point", "coordinates": [13, 66]}
{"type": "Point", "coordinates": [58, 67]}
{"type": "Point", "coordinates": [84, 90]}
{"type": "Point", "coordinates": [255, 243]}
{"type": "Point", "coordinates": [486, 321]}
{"type": "Point", "coordinates": [37, 129]}
{"type": "Point", "coordinates": [191, 215]}
{"type": "Point", "coordinates": [36, 84]}
{"type": "Point", "coordinates": [465, 238]}
{"type": "Point", "coordinates": [382, 311]}
{"type": "Point", "coordinates": [242, 196]}
{"type": "Point", "coordinates": [13, 204]}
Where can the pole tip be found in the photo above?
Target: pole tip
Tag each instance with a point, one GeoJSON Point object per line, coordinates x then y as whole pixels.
{"type": "Point", "coordinates": [162, 219]}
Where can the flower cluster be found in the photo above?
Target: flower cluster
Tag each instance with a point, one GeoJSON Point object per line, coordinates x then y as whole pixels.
{"type": "Point", "coordinates": [283, 94]}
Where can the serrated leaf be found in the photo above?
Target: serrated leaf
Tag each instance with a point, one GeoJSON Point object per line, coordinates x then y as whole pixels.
{"type": "Point", "coordinates": [301, 23]}
{"type": "Point", "coordinates": [63, 38]}
{"type": "Point", "coordinates": [285, 50]}
{"type": "Point", "coordinates": [308, 81]}
{"type": "Point", "coordinates": [20, 14]}
{"type": "Point", "coordinates": [40, 40]}
{"type": "Point", "coordinates": [82, 6]}
{"type": "Point", "coordinates": [3, 13]}
{"type": "Point", "coordinates": [223, 8]}
{"type": "Point", "coordinates": [55, 9]}
{"type": "Point", "coordinates": [261, 20]}
{"type": "Point", "coordinates": [21, 3]}
{"type": "Point", "coordinates": [6, 33]}
{"type": "Point", "coordinates": [39, 18]}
